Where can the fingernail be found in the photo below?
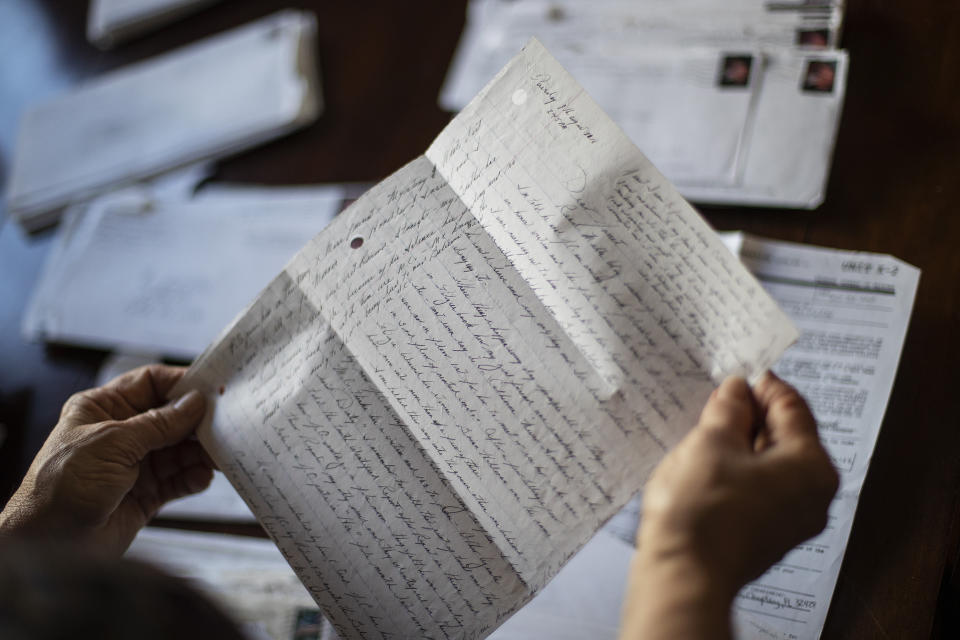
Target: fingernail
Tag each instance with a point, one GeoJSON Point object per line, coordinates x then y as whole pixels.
{"type": "Point", "coordinates": [191, 402]}
{"type": "Point", "coordinates": [733, 385]}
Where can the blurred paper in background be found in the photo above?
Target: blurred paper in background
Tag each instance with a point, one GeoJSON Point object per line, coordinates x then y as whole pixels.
{"type": "Point", "coordinates": [735, 101]}
{"type": "Point", "coordinates": [247, 577]}
{"type": "Point", "coordinates": [208, 99]}
{"type": "Point", "coordinates": [138, 272]}
{"type": "Point", "coordinates": [250, 579]}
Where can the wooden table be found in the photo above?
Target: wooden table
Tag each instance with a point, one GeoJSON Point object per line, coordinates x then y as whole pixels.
{"type": "Point", "coordinates": [895, 187]}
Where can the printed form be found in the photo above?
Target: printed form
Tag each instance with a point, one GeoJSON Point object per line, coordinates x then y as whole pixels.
{"type": "Point", "coordinates": [852, 309]}
{"type": "Point", "coordinates": [448, 390]}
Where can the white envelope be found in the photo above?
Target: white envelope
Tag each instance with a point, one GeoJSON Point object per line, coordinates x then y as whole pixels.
{"type": "Point", "coordinates": [209, 99]}
{"type": "Point", "coordinates": [133, 272]}
{"type": "Point", "coordinates": [788, 146]}
{"type": "Point", "coordinates": [712, 92]}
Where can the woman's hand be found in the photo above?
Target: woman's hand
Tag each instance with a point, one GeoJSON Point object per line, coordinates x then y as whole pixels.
{"type": "Point", "coordinates": [118, 453]}
{"type": "Point", "coordinates": [747, 484]}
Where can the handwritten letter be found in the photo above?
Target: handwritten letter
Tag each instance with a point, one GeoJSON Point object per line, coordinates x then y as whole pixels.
{"type": "Point", "coordinates": [454, 385]}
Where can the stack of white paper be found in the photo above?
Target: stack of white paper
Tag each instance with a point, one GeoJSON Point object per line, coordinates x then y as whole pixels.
{"type": "Point", "coordinates": [148, 272]}
{"type": "Point", "coordinates": [206, 100]}
{"type": "Point", "coordinates": [110, 22]}
{"type": "Point", "coordinates": [735, 101]}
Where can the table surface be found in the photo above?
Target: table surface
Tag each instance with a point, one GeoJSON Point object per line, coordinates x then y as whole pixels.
{"type": "Point", "coordinates": [894, 189]}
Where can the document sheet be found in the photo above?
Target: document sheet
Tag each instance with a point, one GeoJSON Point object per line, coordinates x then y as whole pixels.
{"type": "Point", "coordinates": [160, 114]}
{"type": "Point", "coordinates": [852, 309]}
{"type": "Point", "coordinates": [444, 395]}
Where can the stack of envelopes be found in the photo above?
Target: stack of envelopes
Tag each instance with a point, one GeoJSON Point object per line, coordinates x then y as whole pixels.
{"type": "Point", "coordinates": [735, 101]}
{"type": "Point", "coordinates": [206, 100]}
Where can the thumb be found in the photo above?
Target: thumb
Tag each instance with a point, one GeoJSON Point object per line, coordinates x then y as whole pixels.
{"type": "Point", "coordinates": [167, 425]}
{"type": "Point", "coordinates": [730, 412]}
{"type": "Point", "coordinates": [788, 418]}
